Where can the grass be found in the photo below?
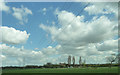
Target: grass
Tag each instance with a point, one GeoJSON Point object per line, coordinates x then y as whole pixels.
{"type": "Point", "coordinates": [64, 70]}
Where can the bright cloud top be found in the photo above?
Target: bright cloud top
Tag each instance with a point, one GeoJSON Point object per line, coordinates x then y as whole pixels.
{"type": "Point", "coordinates": [79, 32]}
{"type": "Point", "coordinates": [10, 35]}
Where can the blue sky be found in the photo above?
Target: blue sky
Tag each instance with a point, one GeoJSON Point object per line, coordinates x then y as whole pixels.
{"type": "Point", "coordinates": [37, 35]}
{"type": "Point", "coordinates": [78, 30]}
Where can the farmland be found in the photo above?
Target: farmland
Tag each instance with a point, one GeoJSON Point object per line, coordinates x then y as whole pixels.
{"type": "Point", "coordinates": [64, 70]}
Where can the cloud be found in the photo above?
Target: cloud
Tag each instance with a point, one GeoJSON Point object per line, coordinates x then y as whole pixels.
{"type": "Point", "coordinates": [102, 8]}
{"type": "Point", "coordinates": [36, 48]}
{"type": "Point", "coordinates": [93, 40]}
{"type": "Point", "coordinates": [108, 45]}
{"type": "Point", "coordinates": [21, 14]}
{"type": "Point", "coordinates": [50, 50]}
{"type": "Point", "coordinates": [10, 35]}
{"type": "Point", "coordinates": [44, 10]}
{"type": "Point", "coordinates": [53, 23]}
{"type": "Point", "coordinates": [35, 57]}
{"type": "Point", "coordinates": [79, 37]}
{"type": "Point", "coordinates": [3, 57]}
{"type": "Point", "coordinates": [4, 7]}
{"type": "Point", "coordinates": [12, 52]}
{"type": "Point", "coordinates": [17, 56]}
{"type": "Point", "coordinates": [92, 50]}
{"type": "Point", "coordinates": [79, 32]}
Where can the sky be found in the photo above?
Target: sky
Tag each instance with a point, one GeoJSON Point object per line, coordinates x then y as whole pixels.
{"type": "Point", "coordinates": [41, 32]}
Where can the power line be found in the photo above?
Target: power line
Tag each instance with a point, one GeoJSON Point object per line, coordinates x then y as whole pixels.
{"type": "Point", "coordinates": [72, 20]}
{"type": "Point", "coordinates": [63, 7]}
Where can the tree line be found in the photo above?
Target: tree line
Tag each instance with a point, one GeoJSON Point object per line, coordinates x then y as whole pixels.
{"type": "Point", "coordinates": [71, 63]}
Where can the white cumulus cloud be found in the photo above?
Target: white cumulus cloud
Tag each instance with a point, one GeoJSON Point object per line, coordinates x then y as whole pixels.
{"type": "Point", "coordinates": [76, 36]}
{"type": "Point", "coordinates": [10, 35]}
{"type": "Point", "coordinates": [80, 32]}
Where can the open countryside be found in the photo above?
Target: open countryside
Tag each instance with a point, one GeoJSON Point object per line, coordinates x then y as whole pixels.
{"type": "Point", "coordinates": [65, 70]}
{"type": "Point", "coordinates": [59, 37]}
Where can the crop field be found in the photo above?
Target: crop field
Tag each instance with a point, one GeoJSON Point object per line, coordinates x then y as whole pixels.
{"type": "Point", "coordinates": [64, 70]}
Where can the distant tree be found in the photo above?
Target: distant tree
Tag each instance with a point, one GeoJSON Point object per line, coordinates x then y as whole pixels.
{"type": "Point", "coordinates": [69, 61]}
{"type": "Point", "coordinates": [49, 63]}
{"type": "Point", "coordinates": [73, 61]}
{"type": "Point", "coordinates": [84, 62]}
{"type": "Point", "coordinates": [80, 61]}
{"type": "Point", "coordinates": [111, 59]}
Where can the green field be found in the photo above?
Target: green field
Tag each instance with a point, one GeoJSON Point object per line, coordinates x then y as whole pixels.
{"type": "Point", "coordinates": [64, 70]}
